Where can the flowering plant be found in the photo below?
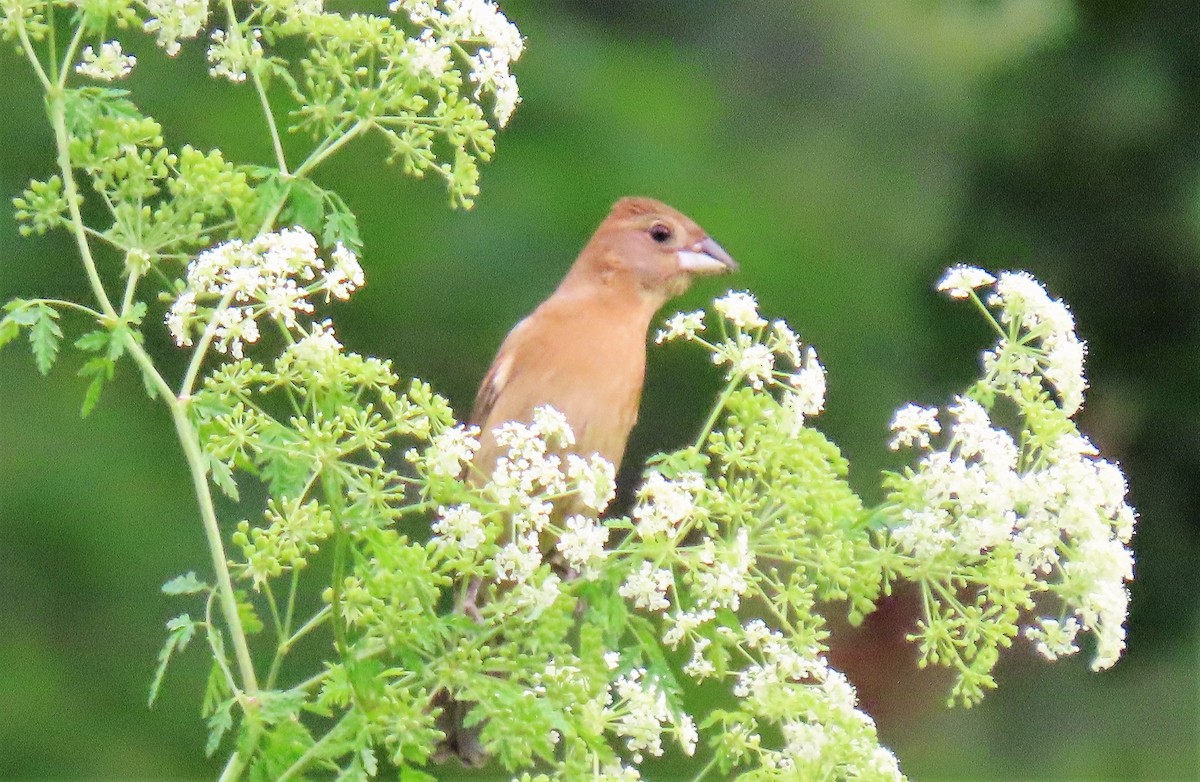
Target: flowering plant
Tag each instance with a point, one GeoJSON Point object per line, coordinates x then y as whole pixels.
{"type": "Point", "coordinates": [565, 643]}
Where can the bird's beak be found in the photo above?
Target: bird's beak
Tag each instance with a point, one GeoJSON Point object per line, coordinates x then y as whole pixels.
{"type": "Point", "coordinates": [706, 257]}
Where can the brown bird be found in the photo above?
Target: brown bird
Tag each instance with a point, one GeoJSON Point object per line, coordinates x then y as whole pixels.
{"type": "Point", "coordinates": [583, 350]}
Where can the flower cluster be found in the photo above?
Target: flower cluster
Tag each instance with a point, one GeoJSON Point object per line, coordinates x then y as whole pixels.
{"type": "Point", "coordinates": [762, 354]}
{"type": "Point", "coordinates": [478, 22]}
{"type": "Point", "coordinates": [175, 20]}
{"type": "Point", "coordinates": [533, 480]}
{"type": "Point", "coordinates": [233, 54]}
{"type": "Point", "coordinates": [109, 64]}
{"type": "Point", "coordinates": [636, 710]}
{"type": "Point", "coordinates": [274, 274]}
{"type": "Point", "coordinates": [812, 705]}
{"type": "Point", "coordinates": [1044, 503]}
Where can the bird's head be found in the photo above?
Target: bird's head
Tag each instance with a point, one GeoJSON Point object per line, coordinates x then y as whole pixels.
{"type": "Point", "coordinates": [648, 247]}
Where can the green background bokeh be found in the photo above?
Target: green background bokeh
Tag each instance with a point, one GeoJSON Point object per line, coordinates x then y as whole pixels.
{"type": "Point", "coordinates": [844, 151]}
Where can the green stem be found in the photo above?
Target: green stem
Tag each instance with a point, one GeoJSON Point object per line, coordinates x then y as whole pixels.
{"type": "Point", "coordinates": [320, 154]}
{"type": "Point", "coordinates": [190, 442]}
{"type": "Point", "coordinates": [233, 768]}
{"type": "Point", "coordinates": [69, 57]}
{"type": "Point", "coordinates": [715, 415]}
{"type": "Point", "coordinates": [311, 753]}
{"type": "Point", "coordinates": [201, 349]}
{"type": "Point", "coordinates": [56, 106]}
{"type": "Point", "coordinates": [27, 45]}
{"type": "Point", "coordinates": [70, 305]}
{"type": "Point", "coordinates": [702, 773]}
{"type": "Point", "coordinates": [280, 159]}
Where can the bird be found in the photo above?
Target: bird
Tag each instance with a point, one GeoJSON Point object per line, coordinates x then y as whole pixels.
{"type": "Point", "coordinates": [583, 349]}
{"type": "Point", "coordinates": [583, 352]}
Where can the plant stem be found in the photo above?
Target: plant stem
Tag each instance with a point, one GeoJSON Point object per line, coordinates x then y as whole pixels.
{"type": "Point", "coordinates": [56, 105]}
{"type": "Point", "coordinates": [280, 159]}
{"type": "Point", "coordinates": [718, 408]}
{"type": "Point", "coordinates": [310, 753]}
{"type": "Point", "coordinates": [69, 56]}
{"type": "Point", "coordinates": [321, 153]}
{"type": "Point", "coordinates": [212, 531]}
{"type": "Point", "coordinates": [188, 439]}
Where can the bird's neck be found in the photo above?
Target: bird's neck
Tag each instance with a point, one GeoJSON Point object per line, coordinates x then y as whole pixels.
{"type": "Point", "coordinates": [617, 295]}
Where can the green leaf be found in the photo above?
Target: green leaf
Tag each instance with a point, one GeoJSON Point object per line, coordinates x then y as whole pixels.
{"type": "Point", "coordinates": [44, 337]}
{"type": "Point", "coordinates": [9, 330]}
{"type": "Point", "coordinates": [306, 206]}
{"type": "Point", "coordinates": [180, 631]}
{"type": "Point", "coordinates": [408, 774]}
{"type": "Point", "coordinates": [94, 341]}
{"type": "Point", "coordinates": [101, 369]}
{"type": "Point", "coordinates": [222, 476]}
{"type": "Point", "coordinates": [219, 722]}
{"type": "Point", "coordinates": [187, 584]}
{"type": "Point", "coordinates": [341, 225]}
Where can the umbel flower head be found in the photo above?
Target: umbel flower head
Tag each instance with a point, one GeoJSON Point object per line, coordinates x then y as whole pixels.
{"type": "Point", "coordinates": [1042, 506]}
{"type": "Point", "coordinates": [230, 286]}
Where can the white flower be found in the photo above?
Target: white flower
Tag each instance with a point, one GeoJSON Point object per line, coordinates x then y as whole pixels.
{"type": "Point", "coordinates": [785, 343]}
{"type": "Point", "coordinates": [519, 560]}
{"type": "Point", "coordinates": [959, 281]}
{"type": "Point", "coordinates": [459, 526]}
{"type": "Point", "coordinates": [665, 505]}
{"type": "Point", "coordinates": [553, 425]}
{"type": "Point", "coordinates": [723, 582]}
{"type": "Point", "coordinates": [175, 20]}
{"type": "Point", "coordinates": [234, 326]}
{"type": "Point", "coordinates": [1023, 301]}
{"type": "Point", "coordinates": [346, 276]}
{"type": "Point", "coordinates": [700, 667]}
{"type": "Point", "coordinates": [178, 318]}
{"type": "Point", "coordinates": [582, 544]}
{"type": "Point", "coordinates": [233, 55]}
{"type": "Point", "coordinates": [684, 623]}
{"type": "Point", "coordinates": [317, 348]}
{"type": "Point", "coordinates": [594, 480]}
{"type": "Point", "coordinates": [687, 734]}
{"type": "Point", "coordinates": [681, 325]}
{"type": "Point", "coordinates": [639, 712]}
{"type": "Point", "coordinates": [429, 55]}
{"type": "Point", "coordinates": [107, 65]}
{"type": "Point", "coordinates": [1054, 639]}
{"type": "Point", "coordinates": [449, 451]}
{"type": "Point", "coordinates": [807, 397]}
{"type": "Point", "coordinates": [648, 588]}
{"type": "Point", "coordinates": [741, 309]}
{"type": "Point", "coordinates": [912, 425]}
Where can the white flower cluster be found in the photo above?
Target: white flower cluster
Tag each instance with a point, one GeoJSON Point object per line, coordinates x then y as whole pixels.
{"type": "Point", "coordinates": [468, 22]}
{"type": "Point", "coordinates": [232, 55]}
{"type": "Point", "coordinates": [273, 274]}
{"type": "Point", "coordinates": [763, 357]}
{"type": "Point", "coordinates": [665, 506]}
{"type": "Point", "coordinates": [448, 453]}
{"type": "Point", "coordinates": [175, 21]}
{"type": "Point", "coordinates": [528, 478]}
{"type": "Point", "coordinates": [637, 710]}
{"type": "Point", "coordinates": [1049, 502]}
{"type": "Point", "coordinates": [1025, 306]}
{"type": "Point", "coordinates": [822, 726]}
{"type": "Point", "coordinates": [718, 577]}
{"type": "Point", "coordinates": [1041, 338]}
{"type": "Point", "coordinates": [109, 64]}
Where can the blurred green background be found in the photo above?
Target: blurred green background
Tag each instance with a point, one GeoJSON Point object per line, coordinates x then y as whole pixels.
{"type": "Point", "coordinates": [844, 151]}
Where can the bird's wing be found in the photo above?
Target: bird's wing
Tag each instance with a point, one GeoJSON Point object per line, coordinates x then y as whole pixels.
{"type": "Point", "coordinates": [494, 382]}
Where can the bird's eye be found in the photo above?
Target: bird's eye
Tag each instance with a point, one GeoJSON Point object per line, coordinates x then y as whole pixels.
{"type": "Point", "coordinates": [660, 233]}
